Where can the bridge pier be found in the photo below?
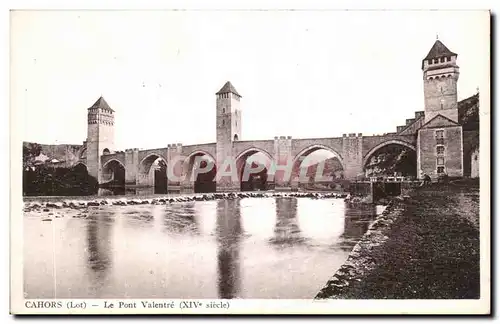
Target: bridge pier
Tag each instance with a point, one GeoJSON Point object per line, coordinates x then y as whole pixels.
{"type": "Point", "coordinates": [131, 166]}
{"type": "Point", "coordinates": [352, 152]}
{"type": "Point", "coordinates": [143, 180]}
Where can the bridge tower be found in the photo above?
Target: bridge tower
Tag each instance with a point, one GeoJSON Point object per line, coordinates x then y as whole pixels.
{"type": "Point", "coordinates": [440, 82]}
{"type": "Point", "coordinates": [100, 136]}
{"type": "Point", "coordinates": [228, 129]}
{"type": "Point", "coordinates": [439, 140]}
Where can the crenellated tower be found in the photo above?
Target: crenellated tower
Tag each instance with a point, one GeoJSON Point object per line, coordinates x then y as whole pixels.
{"type": "Point", "coordinates": [228, 125]}
{"type": "Point", "coordinates": [228, 114]}
{"type": "Point", "coordinates": [100, 135]}
{"type": "Point", "coordinates": [440, 138]}
{"type": "Point", "coordinates": [440, 72]}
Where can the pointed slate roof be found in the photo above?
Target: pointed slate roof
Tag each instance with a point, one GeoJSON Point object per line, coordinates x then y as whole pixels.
{"type": "Point", "coordinates": [439, 50]}
{"type": "Point", "coordinates": [101, 103]}
{"type": "Point", "coordinates": [228, 88]}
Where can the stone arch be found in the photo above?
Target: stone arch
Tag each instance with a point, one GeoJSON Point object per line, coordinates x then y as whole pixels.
{"type": "Point", "coordinates": [113, 173]}
{"type": "Point", "coordinates": [252, 150]}
{"type": "Point", "coordinates": [389, 142]}
{"type": "Point", "coordinates": [111, 160]}
{"type": "Point", "coordinates": [145, 168]}
{"type": "Point", "coordinates": [315, 147]}
{"type": "Point", "coordinates": [205, 181]}
{"type": "Point", "coordinates": [241, 160]}
{"type": "Point", "coordinates": [148, 160]}
{"type": "Point", "coordinates": [297, 161]}
{"type": "Point", "coordinates": [379, 146]}
{"type": "Point", "coordinates": [80, 164]}
{"type": "Point", "coordinates": [83, 153]}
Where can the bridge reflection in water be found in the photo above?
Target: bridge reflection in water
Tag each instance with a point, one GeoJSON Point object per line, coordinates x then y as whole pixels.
{"type": "Point", "coordinates": [99, 249]}
{"type": "Point", "coordinates": [236, 248]}
{"type": "Point", "coordinates": [228, 243]}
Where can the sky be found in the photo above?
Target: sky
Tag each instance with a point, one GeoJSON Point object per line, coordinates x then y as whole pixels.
{"type": "Point", "coordinates": [303, 74]}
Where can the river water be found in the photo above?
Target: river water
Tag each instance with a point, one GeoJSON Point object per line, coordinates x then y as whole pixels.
{"type": "Point", "coordinates": [278, 247]}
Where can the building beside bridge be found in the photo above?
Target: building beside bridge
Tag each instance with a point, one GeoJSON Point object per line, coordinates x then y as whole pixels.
{"type": "Point", "coordinates": [436, 135]}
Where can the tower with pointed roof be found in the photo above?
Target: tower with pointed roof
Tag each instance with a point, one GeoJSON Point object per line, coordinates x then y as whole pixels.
{"type": "Point", "coordinates": [228, 122]}
{"type": "Point", "coordinates": [100, 135]}
{"type": "Point", "coordinates": [440, 138]}
{"type": "Point", "coordinates": [228, 114]}
{"type": "Point", "coordinates": [440, 73]}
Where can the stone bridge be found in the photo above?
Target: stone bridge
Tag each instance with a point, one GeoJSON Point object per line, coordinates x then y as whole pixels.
{"type": "Point", "coordinates": [435, 134]}
{"type": "Point", "coordinates": [352, 150]}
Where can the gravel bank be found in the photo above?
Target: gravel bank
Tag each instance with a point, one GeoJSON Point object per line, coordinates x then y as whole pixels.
{"type": "Point", "coordinates": [425, 246]}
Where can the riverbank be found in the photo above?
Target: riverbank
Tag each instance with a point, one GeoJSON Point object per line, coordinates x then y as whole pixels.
{"type": "Point", "coordinates": [424, 246]}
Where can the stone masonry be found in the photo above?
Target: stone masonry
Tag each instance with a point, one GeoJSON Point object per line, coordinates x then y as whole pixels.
{"type": "Point", "coordinates": [436, 126]}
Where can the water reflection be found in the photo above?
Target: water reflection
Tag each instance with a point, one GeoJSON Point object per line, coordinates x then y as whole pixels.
{"type": "Point", "coordinates": [356, 222]}
{"type": "Point", "coordinates": [236, 248]}
{"type": "Point", "coordinates": [181, 218]}
{"type": "Point", "coordinates": [286, 230]}
{"type": "Point", "coordinates": [228, 244]}
{"type": "Point", "coordinates": [99, 249]}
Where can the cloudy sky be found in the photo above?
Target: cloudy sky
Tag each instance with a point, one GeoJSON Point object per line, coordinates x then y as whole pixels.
{"type": "Point", "coordinates": [301, 73]}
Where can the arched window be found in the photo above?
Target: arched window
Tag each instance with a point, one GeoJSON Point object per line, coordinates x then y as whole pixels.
{"type": "Point", "coordinates": [235, 137]}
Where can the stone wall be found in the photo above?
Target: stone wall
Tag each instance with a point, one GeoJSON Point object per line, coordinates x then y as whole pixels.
{"type": "Point", "coordinates": [471, 143]}
{"type": "Point", "coordinates": [474, 170]}
{"type": "Point", "coordinates": [453, 158]}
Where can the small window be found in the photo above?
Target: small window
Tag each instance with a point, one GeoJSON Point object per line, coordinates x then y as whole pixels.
{"type": "Point", "coordinates": [436, 61]}
{"type": "Point", "coordinates": [440, 161]}
{"type": "Point", "coordinates": [440, 170]}
{"type": "Point", "coordinates": [440, 133]}
{"type": "Point", "coordinates": [105, 151]}
{"type": "Point", "coordinates": [223, 122]}
{"type": "Point", "coordinates": [430, 61]}
{"type": "Point", "coordinates": [448, 59]}
{"type": "Point", "coordinates": [223, 110]}
{"type": "Point", "coordinates": [440, 149]}
{"type": "Point", "coordinates": [442, 60]}
{"type": "Point", "coordinates": [235, 137]}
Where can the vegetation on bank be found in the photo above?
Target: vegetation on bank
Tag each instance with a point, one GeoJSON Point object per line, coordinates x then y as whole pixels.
{"type": "Point", "coordinates": [41, 179]}
{"type": "Point", "coordinates": [431, 250]}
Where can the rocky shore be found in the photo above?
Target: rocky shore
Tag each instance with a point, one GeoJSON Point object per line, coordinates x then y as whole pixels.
{"type": "Point", "coordinates": [423, 246]}
{"type": "Point", "coordinates": [46, 206]}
